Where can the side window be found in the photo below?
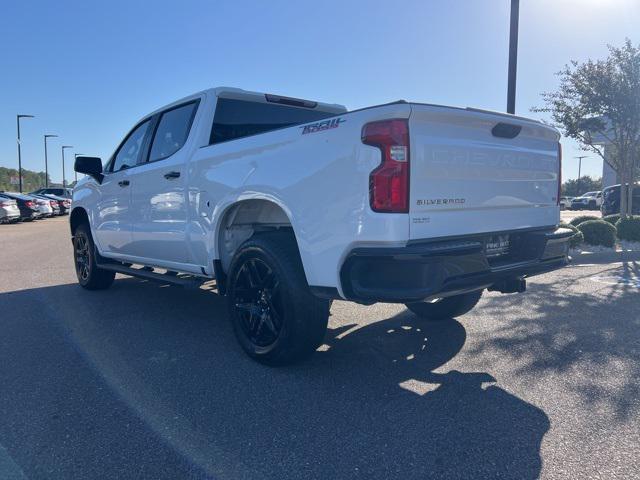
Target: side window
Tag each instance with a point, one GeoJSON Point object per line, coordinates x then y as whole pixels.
{"type": "Point", "coordinates": [172, 131]}
{"type": "Point", "coordinates": [130, 150]}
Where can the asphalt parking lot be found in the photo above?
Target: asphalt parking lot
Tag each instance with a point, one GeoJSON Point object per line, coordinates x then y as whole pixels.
{"type": "Point", "coordinates": [146, 381]}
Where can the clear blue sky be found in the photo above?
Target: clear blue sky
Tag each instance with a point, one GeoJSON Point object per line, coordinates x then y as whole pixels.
{"type": "Point", "coordinates": [88, 70]}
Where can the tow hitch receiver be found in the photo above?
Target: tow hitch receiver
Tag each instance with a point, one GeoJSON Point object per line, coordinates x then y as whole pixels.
{"type": "Point", "coordinates": [509, 285]}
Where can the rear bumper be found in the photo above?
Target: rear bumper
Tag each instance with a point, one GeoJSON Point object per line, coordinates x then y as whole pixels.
{"type": "Point", "coordinates": [583, 206]}
{"type": "Point", "coordinates": [448, 267]}
{"type": "Point", "coordinates": [28, 214]}
{"type": "Point", "coordinates": [10, 212]}
{"type": "Point", "coordinates": [11, 217]}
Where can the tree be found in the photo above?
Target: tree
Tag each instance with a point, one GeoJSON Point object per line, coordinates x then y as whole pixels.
{"type": "Point", "coordinates": [575, 188]}
{"type": "Point", "coordinates": [601, 99]}
{"type": "Point", "coordinates": [30, 180]}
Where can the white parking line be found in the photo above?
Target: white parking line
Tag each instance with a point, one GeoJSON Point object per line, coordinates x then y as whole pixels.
{"type": "Point", "coordinates": [9, 470]}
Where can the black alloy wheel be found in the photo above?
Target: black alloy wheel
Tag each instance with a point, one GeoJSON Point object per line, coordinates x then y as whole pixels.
{"type": "Point", "coordinates": [275, 317]}
{"type": "Point", "coordinates": [82, 256]}
{"type": "Point", "coordinates": [90, 275]}
{"type": "Point", "coordinates": [258, 303]}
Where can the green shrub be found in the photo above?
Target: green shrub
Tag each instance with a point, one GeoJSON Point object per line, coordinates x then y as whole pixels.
{"type": "Point", "coordinates": [612, 219]}
{"type": "Point", "coordinates": [629, 228]}
{"type": "Point", "coordinates": [582, 218]}
{"type": "Point", "coordinates": [577, 237]}
{"type": "Point", "coordinates": [598, 232]}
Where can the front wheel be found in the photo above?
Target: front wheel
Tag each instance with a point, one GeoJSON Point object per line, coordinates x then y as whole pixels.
{"type": "Point", "coordinates": [276, 318]}
{"type": "Point", "coordinates": [90, 276]}
{"type": "Point", "coordinates": [446, 308]}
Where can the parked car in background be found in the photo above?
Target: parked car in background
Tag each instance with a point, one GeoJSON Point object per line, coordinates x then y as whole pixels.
{"type": "Point", "coordinates": [565, 202]}
{"type": "Point", "coordinates": [63, 203]}
{"type": "Point", "coordinates": [9, 211]}
{"type": "Point", "coordinates": [59, 191]}
{"type": "Point", "coordinates": [611, 200]}
{"type": "Point", "coordinates": [55, 205]}
{"type": "Point", "coordinates": [44, 206]}
{"type": "Point", "coordinates": [27, 206]}
{"type": "Point", "coordinates": [587, 201]}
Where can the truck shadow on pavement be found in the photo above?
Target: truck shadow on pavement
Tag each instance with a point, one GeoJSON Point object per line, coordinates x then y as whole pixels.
{"type": "Point", "coordinates": [369, 405]}
{"type": "Point", "coordinates": [585, 333]}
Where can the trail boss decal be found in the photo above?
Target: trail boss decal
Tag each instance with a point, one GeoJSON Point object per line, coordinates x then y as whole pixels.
{"type": "Point", "coordinates": [320, 126]}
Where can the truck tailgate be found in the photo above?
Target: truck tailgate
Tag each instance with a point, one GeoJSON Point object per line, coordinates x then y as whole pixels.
{"type": "Point", "coordinates": [474, 171]}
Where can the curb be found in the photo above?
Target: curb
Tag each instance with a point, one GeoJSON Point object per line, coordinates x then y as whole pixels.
{"type": "Point", "coordinates": [621, 256]}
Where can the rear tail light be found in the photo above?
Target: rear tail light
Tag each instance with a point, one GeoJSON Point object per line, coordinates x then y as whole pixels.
{"type": "Point", "coordinates": [389, 181]}
{"type": "Point", "coordinates": [29, 203]}
{"type": "Point", "coordinates": [559, 173]}
{"type": "Point", "coordinates": [4, 205]}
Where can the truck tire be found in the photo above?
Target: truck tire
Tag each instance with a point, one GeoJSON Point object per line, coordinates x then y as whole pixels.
{"type": "Point", "coordinates": [90, 276]}
{"type": "Point", "coordinates": [446, 308]}
{"type": "Point", "coordinates": [276, 318]}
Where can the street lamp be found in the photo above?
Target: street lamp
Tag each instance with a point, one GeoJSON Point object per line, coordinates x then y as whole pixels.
{"type": "Point", "coordinates": [64, 179]}
{"type": "Point", "coordinates": [513, 56]}
{"type": "Point", "coordinates": [46, 166]}
{"type": "Point", "coordinates": [580, 157]}
{"type": "Point", "coordinates": [18, 117]}
{"type": "Point", "coordinates": [75, 156]}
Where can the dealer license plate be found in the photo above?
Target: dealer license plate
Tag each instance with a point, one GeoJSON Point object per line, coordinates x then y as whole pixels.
{"type": "Point", "coordinates": [497, 245]}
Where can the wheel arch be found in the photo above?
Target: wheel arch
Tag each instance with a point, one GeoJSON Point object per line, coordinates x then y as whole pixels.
{"type": "Point", "coordinates": [77, 217]}
{"type": "Point", "coordinates": [242, 219]}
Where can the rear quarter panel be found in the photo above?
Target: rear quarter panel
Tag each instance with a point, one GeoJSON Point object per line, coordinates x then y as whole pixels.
{"type": "Point", "coordinates": [320, 180]}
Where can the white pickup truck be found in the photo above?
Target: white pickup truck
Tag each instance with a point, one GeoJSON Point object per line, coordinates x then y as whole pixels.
{"type": "Point", "coordinates": [291, 203]}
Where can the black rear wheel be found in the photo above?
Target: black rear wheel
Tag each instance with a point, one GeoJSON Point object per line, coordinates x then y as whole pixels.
{"type": "Point", "coordinates": [276, 318]}
{"type": "Point", "coordinates": [258, 301]}
{"type": "Point", "coordinates": [446, 308]}
{"type": "Point", "coordinates": [90, 276]}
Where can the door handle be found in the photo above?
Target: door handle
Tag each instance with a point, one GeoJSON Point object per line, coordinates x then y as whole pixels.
{"type": "Point", "coordinates": [170, 175]}
{"type": "Point", "coordinates": [123, 183]}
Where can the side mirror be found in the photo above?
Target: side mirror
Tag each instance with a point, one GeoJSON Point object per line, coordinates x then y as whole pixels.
{"type": "Point", "coordinates": [91, 166]}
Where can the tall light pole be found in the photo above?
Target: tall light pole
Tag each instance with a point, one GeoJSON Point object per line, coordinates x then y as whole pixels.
{"type": "Point", "coordinates": [580, 157]}
{"type": "Point", "coordinates": [18, 117]}
{"type": "Point", "coordinates": [513, 56]}
{"type": "Point", "coordinates": [64, 179]}
{"type": "Point", "coordinates": [76, 155]}
{"type": "Point", "coordinates": [46, 163]}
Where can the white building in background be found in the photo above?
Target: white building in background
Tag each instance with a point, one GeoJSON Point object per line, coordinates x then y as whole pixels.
{"type": "Point", "coordinates": [609, 175]}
